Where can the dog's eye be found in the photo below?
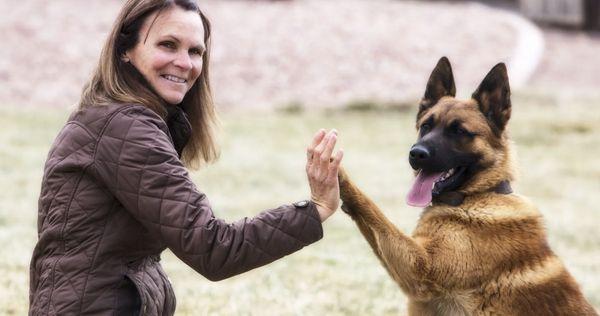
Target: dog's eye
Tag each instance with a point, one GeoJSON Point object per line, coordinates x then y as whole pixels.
{"type": "Point", "coordinates": [458, 130]}
{"type": "Point", "coordinates": [425, 127]}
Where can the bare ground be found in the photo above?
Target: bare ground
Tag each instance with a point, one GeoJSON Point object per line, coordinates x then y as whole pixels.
{"type": "Point", "coordinates": [312, 53]}
{"type": "Point", "coordinates": [571, 61]}
{"type": "Point", "coordinates": [315, 53]}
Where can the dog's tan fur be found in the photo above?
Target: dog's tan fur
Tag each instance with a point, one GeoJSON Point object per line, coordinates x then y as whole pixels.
{"type": "Point", "coordinates": [486, 256]}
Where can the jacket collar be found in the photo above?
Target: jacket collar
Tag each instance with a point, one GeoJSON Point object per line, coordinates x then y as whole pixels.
{"type": "Point", "coordinates": [179, 127]}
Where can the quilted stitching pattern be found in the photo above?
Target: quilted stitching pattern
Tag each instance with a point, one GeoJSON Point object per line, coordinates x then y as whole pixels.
{"type": "Point", "coordinates": [115, 195]}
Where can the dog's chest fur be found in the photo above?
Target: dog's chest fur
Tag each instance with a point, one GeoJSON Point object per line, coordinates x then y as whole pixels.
{"type": "Point", "coordinates": [471, 246]}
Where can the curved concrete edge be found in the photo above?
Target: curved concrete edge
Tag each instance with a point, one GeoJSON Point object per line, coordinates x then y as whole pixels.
{"type": "Point", "coordinates": [528, 52]}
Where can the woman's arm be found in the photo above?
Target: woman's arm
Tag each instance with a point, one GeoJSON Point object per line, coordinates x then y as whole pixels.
{"type": "Point", "coordinates": [135, 159]}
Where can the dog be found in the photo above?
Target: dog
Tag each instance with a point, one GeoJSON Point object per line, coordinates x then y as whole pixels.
{"type": "Point", "coordinates": [478, 248]}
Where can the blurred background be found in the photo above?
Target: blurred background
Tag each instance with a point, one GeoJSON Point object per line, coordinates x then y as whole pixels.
{"type": "Point", "coordinates": [281, 70]}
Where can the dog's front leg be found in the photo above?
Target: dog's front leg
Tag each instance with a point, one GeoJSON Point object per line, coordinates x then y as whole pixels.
{"type": "Point", "coordinates": [405, 260]}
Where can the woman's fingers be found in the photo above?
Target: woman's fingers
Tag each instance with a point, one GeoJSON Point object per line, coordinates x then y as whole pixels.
{"type": "Point", "coordinates": [334, 166]}
{"type": "Point", "coordinates": [315, 162]}
{"type": "Point", "coordinates": [311, 148]}
{"type": "Point", "coordinates": [322, 151]}
{"type": "Point", "coordinates": [321, 165]}
{"type": "Point", "coordinates": [331, 139]}
{"type": "Point", "coordinates": [322, 170]}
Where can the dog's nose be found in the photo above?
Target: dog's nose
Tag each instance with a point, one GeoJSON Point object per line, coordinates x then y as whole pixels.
{"type": "Point", "coordinates": [419, 153]}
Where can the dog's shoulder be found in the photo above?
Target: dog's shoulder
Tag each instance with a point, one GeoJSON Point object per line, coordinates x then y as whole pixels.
{"type": "Point", "coordinates": [478, 219]}
{"type": "Point", "coordinates": [485, 208]}
{"type": "Point", "coordinates": [499, 207]}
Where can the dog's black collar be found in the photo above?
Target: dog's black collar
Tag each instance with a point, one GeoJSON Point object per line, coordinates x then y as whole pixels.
{"type": "Point", "coordinates": [503, 188]}
{"type": "Point", "coordinates": [454, 198]}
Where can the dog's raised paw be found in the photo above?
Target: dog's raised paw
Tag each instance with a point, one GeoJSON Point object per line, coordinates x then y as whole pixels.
{"type": "Point", "coordinates": [346, 209]}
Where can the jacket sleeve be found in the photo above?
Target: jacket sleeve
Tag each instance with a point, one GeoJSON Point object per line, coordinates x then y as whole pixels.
{"type": "Point", "coordinates": [135, 159]}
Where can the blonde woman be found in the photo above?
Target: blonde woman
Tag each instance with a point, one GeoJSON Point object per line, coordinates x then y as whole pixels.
{"type": "Point", "coordinates": [116, 192]}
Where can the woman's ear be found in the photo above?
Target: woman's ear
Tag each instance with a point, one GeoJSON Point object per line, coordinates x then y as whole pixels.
{"type": "Point", "coordinates": [125, 58]}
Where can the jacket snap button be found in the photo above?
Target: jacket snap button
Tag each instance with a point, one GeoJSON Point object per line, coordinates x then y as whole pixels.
{"type": "Point", "coordinates": [301, 204]}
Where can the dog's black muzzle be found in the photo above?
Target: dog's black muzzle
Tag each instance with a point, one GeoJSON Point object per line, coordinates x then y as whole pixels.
{"type": "Point", "coordinates": [423, 156]}
{"type": "Point", "coordinates": [419, 155]}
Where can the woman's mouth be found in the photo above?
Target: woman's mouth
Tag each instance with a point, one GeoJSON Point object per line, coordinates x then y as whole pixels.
{"type": "Point", "coordinates": [174, 79]}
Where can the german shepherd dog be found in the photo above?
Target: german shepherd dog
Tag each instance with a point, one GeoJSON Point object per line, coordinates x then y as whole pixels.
{"type": "Point", "coordinates": [478, 248]}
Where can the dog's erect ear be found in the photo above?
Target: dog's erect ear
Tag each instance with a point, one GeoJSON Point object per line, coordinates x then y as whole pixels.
{"type": "Point", "coordinates": [440, 84]}
{"type": "Point", "coordinates": [493, 96]}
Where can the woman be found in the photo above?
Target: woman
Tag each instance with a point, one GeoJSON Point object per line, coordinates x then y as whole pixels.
{"type": "Point", "coordinates": [115, 192]}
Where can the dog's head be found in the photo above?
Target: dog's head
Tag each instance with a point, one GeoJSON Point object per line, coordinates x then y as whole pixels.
{"type": "Point", "coordinates": [462, 145]}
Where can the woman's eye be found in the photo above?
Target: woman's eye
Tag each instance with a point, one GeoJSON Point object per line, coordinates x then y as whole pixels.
{"type": "Point", "coordinates": [169, 45]}
{"type": "Point", "coordinates": [196, 52]}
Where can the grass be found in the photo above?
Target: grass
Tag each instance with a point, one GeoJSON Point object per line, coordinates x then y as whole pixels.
{"type": "Point", "coordinates": [262, 164]}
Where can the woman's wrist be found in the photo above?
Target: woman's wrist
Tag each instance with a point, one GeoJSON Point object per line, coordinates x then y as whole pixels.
{"type": "Point", "coordinates": [324, 212]}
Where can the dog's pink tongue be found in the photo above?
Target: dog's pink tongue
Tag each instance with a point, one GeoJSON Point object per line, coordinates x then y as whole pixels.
{"type": "Point", "coordinates": [420, 193]}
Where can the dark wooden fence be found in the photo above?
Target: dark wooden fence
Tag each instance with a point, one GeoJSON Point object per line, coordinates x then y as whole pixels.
{"type": "Point", "coordinates": [575, 13]}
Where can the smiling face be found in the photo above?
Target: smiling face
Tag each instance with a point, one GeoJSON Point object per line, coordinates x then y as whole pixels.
{"type": "Point", "coordinates": [169, 52]}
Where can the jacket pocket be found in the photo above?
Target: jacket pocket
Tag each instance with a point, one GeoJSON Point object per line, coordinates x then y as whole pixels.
{"type": "Point", "coordinates": [153, 288]}
{"type": "Point", "coordinates": [128, 298]}
{"type": "Point", "coordinates": [139, 296]}
{"type": "Point", "coordinates": [170, 301]}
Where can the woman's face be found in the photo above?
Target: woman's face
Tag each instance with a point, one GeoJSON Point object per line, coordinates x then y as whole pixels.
{"type": "Point", "coordinates": [169, 52]}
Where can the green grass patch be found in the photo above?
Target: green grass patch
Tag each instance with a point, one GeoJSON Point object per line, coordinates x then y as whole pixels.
{"type": "Point", "coordinates": [262, 166]}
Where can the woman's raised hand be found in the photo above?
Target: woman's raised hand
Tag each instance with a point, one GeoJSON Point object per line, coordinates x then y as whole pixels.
{"type": "Point", "coordinates": [322, 171]}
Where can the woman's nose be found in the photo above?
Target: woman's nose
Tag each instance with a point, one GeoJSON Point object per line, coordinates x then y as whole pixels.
{"type": "Point", "coordinates": [183, 61]}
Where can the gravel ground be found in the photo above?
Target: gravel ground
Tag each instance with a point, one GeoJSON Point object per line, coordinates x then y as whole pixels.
{"type": "Point", "coordinates": [317, 53]}
{"type": "Point", "coordinates": [268, 54]}
{"type": "Point", "coordinates": [571, 61]}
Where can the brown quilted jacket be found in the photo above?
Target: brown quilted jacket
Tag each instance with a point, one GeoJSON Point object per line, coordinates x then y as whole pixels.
{"type": "Point", "coordinates": [114, 196]}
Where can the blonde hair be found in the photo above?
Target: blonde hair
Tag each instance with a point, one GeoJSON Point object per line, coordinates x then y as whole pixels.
{"type": "Point", "coordinates": [115, 81]}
